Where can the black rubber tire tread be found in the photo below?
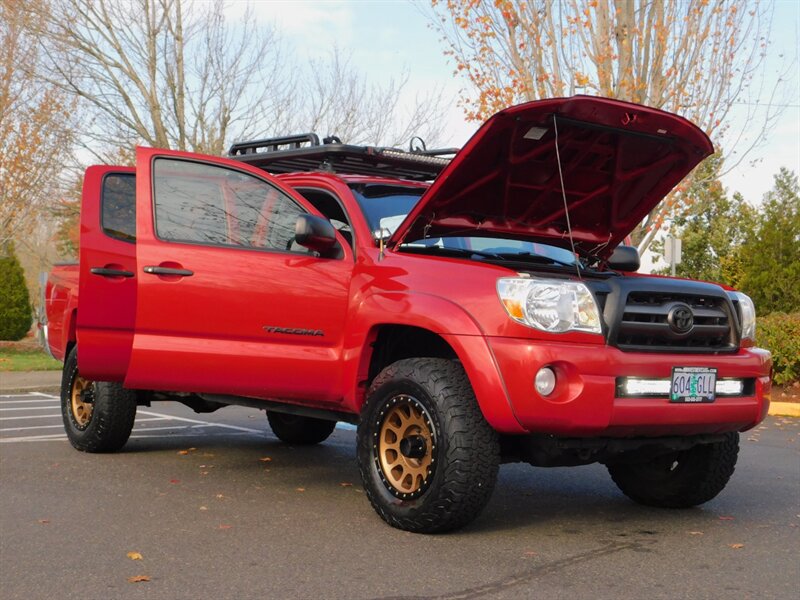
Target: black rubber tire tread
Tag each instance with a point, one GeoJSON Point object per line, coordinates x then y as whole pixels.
{"type": "Point", "coordinates": [702, 472]}
{"type": "Point", "coordinates": [303, 431]}
{"type": "Point", "coordinates": [468, 453]}
{"type": "Point", "coordinates": [113, 414]}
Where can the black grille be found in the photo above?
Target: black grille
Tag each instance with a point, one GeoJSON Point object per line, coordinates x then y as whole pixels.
{"type": "Point", "coordinates": [644, 323]}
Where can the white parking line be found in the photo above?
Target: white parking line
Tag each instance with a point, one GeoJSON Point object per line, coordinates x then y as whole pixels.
{"type": "Point", "coordinates": [169, 428]}
{"type": "Point", "coordinates": [61, 425]}
{"type": "Point", "coordinates": [37, 401]}
{"type": "Point", "coordinates": [31, 427]}
{"type": "Point", "coordinates": [28, 408]}
{"type": "Point", "coordinates": [39, 397]}
{"type": "Point", "coordinates": [34, 438]}
{"type": "Point", "coordinates": [210, 424]}
{"type": "Point", "coordinates": [31, 417]}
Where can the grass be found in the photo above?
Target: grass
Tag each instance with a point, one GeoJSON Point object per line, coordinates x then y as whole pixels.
{"type": "Point", "coordinates": [25, 356]}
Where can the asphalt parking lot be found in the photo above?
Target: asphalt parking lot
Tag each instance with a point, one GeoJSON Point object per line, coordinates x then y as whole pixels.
{"type": "Point", "coordinates": [217, 508]}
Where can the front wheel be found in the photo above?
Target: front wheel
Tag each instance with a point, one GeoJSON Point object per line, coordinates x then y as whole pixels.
{"type": "Point", "coordinates": [428, 459]}
{"type": "Point", "coordinates": [98, 415]}
{"type": "Point", "coordinates": [679, 479]}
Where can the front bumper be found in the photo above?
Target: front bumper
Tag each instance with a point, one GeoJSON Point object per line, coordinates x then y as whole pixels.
{"type": "Point", "coordinates": [586, 403]}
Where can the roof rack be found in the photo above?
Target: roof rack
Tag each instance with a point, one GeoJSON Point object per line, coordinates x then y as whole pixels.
{"type": "Point", "coordinates": [304, 152]}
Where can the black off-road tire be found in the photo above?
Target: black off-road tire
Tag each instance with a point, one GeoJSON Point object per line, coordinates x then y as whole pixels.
{"type": "Point", "coordinates": [679, 479]}
{"type": "Point", "coordinates": [112, 416]}
{"type": "Point", "coordinates": [303, 431]}
{"type": "Point", "coordinates": [465, 451]}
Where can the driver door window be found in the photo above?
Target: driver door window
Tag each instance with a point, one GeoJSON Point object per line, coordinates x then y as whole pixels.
{"type": "Point", "coordinates": [199, 203]}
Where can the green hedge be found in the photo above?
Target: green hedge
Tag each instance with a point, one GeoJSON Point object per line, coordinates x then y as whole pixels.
{"type": "Point", "coordinates": [780, 334]}
{"type": "Point", "coordinates": [15, 306]}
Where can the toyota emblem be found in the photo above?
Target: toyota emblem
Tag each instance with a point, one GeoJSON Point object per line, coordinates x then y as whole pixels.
{"type": "Point", "coordinates": [680, 318]}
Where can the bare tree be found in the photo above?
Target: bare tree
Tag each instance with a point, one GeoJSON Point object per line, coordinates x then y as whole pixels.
{"type": "Point", "coordinates": [697, 58]}
{"type": "Point", "coordinates": [337, 99]}
{"type": "Point", "coordinates": [175, 74]}
{"type": "Point", "coordinates": [165, 73]}
{"type": "Point", "coordinates": [36, 125]}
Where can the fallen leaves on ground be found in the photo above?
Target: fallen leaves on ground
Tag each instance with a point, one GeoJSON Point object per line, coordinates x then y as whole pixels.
{"type": "Point", "coordinates": [530, 553]}
{"type": "Point", "coordinates": [224, 526]}
{"type": "Point", "coordinates": [138, 578]}
{"type": "Point", "coordinates": [726, 518]}
{"type": "Point", "coordinates": [134, 555]}
{"type": "Point", "coordinates": [695, 533]}
{"type": "Point", "coordinates": [346, 484]}
{"type": "Point", "coordinates": [174, 481]}
{"type": "Point", "coordinates": [736, 546]}
{"type": "Point", "coordinates": [265, 459]}
{"type": "Point", "coordinates": [187, 451]}
{"type": "Point", "coordinates": [300, 489]}
{"type": "Point", "coordinates": [203, 508]}
{"type": "Point", "coordinates": [43, 521]}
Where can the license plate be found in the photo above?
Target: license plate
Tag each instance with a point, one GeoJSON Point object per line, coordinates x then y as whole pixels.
{"type": "Point", "coordinates": [693, 384]}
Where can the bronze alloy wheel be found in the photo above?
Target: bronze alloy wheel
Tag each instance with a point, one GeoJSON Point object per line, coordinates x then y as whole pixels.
{"type": "Point", "coordinates": [81, 401]}
{"type": "Point", "coordinates": [405, 447]}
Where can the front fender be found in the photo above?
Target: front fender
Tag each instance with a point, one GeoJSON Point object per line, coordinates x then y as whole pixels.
{"type": "Point", "coordinates": [442, 317]}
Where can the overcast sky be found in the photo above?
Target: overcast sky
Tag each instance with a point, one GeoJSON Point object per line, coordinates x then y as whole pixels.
{"type": "Point", "coordinates": [386, 36]}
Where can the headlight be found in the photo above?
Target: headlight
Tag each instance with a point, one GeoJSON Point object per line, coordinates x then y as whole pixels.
{"type": "Point", "coordinates": [747, 311]}
{"type": "Point", "coordinates": [549, 304]}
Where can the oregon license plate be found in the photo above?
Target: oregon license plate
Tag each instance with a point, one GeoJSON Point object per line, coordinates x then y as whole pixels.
{"type": "Point", "coordinates": [693, 384]}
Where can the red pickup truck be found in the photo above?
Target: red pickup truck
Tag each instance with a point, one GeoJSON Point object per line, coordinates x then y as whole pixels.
{"type": "Point", "coordinates": [490, 316]}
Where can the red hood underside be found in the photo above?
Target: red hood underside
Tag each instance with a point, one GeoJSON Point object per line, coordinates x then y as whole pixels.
{"type": "Point", "coordinates": [618, 161]}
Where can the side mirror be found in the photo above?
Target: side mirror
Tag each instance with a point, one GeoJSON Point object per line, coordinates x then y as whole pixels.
{"type": "Point", "coordinates": [314, 233]}
{"type": "Point", "coordinates": [624, 258]}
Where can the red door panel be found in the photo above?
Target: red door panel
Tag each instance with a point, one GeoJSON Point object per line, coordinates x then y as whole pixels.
{"type": "Point", "coordinates": [107, 281]}
{"type": "Point", "coordinates": [216, 315]}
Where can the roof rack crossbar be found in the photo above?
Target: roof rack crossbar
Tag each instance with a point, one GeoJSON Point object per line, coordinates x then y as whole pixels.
{"type": "Point", "coordinates": [290, 142]}
{"type": "Point", "coordinates": [303, 153]}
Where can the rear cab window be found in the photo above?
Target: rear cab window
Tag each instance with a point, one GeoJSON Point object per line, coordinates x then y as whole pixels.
{"type": "Point", "coordinates": [118, 206]}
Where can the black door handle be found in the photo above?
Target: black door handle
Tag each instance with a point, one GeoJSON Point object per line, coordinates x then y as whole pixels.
{"type": "Point", "coordinates": [103, 272]}
{"type": "Point", "coordinates": [152, 270]}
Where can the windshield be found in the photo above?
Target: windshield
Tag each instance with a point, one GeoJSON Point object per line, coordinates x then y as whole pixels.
{"type": "Point", "coordinates": [386, 206]}
{"type": "Point", "coordinates": [501, 247]}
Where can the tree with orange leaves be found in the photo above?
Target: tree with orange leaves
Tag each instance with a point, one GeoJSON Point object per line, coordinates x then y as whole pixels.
{"type": "Point", "coordinates": [696, 58]}
{"type": "Point", "coordinates": [35, 129]}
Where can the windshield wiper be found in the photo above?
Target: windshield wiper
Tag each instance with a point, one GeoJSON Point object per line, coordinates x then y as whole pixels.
{"type": "Point", "coordinates": [465, 251]}
{"type": "Point", "coordinates": [550, 259]}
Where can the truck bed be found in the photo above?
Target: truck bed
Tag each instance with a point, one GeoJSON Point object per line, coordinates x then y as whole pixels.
{"type": "Point", "coordinates": [61, 302]}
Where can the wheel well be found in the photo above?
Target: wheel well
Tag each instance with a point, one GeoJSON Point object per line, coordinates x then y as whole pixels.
{"type": "Point", "coordinates": [396, 342]}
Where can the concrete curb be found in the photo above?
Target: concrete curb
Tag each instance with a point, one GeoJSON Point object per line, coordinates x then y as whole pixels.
{"type": "Point", "coordinates": [29, 381]}
{"type": "Point", "coordinates": [784, 409]}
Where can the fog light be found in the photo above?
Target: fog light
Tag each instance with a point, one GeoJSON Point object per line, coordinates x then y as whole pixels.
{"type": "Point", "coordinates": [545, 381]}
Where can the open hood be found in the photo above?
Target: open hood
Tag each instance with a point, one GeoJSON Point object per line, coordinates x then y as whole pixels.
{"type": "Point", "coordinates": [618, 160]}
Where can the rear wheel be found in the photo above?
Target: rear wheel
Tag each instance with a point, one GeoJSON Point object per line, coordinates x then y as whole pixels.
{"type": "Point", "coordinates": [679, 479]}
{"type": "Point", "coordinates": [98, 415]}
{"type": "Point", "coordinates": [428, 458]}
{"type": "Point", "coordinates": [294, 429]}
